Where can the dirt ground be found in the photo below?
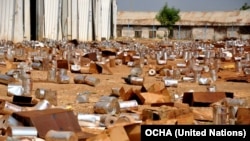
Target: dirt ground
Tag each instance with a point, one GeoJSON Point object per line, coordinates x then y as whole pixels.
{"type": "Point", "coordinates": [66, 93]}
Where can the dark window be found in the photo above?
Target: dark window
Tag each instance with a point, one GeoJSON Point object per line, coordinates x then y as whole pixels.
{"type": "Point", "coordinates": [138, 34]}
{"type": "Point", "coordinates": [152, 34]}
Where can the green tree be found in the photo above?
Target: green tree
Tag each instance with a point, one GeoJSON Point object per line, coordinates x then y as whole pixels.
{"type": "Point", "coordinates": [245, 7]}
{"type": "Point", "coordinates": [168, 17]}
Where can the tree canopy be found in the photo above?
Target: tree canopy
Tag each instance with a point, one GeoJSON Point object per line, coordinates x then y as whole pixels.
{"type": "Point", "coordinates": [168, 17]}
{"type": "Point", "coordinates": [245, 7]}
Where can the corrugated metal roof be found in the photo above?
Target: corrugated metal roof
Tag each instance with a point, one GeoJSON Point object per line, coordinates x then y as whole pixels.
{"type": "Point", "coordinates": [188, 18]}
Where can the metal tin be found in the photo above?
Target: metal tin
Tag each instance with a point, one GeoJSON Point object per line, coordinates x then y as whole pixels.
{"type": "Point", "coordinates": [117, 91]}
{"type": "Point", "coordinates": [211, 88]}
{"type": "Point", "coordinates": [131, 104]}
{"type": "Point", "coordinates": [63, 79]}
{"type": "Point", "coordinates": [40, 93]}
{"type": "Point", "coordinates": [79, 79]}
{"type": "Point", "coordinates": [219, 115]}
{"type": "Point", "coordinates": [204, 81]}
{"type": "Point", "coordinates": [9, 108]}
{"type": "Point", "coordinates": [75, 68]}
{"type": "Point", "coordinates": [136, 80]}
{"type": "Point", "coordinates": [62, 71]}
{"type": "Point", "coordinates": [17, 131]}
{"type": "Point", "coordinates": [152, 72]}
{"type": "Point", "coordinates": [107, 105]}
{"type": "Point", "coordinates": [15, 89]}
{"type": "Point", "coordinates": [51, 76]}
{"type": "Point", "coordinates": [108, 120]}
{"type": "Point", "coordinates": [213, 74]}
{"type": "Point", "coordinates": [161, 62]}
{"type": "Point", "coordinates": [92, 81]}
{"type": "Point", "coordinates": [36, 65]}
{"type": "Point", "coordinates": [238, 66]}
{"type": "Point", "coordinates": [53, 135]}
{"type": "Point", "coordinates": [43, 104]}
{"type": "Point", "coordinates": [27, 85]}
{"type": "Point", "coordinates": [136, 71]}
{"type": "Point", "coordinates": [82, 98]}
{"type": "Point", "coordinates": [170, 82]}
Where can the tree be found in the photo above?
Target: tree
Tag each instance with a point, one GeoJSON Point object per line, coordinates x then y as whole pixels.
{"type": "Point", "coordinates": [245, 7]}
{"type": "Point", "coordinates": [168, 17]}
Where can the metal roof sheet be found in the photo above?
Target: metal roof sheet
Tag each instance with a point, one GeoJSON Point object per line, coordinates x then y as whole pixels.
{"type": "Point", "coordinates": [187, 18]}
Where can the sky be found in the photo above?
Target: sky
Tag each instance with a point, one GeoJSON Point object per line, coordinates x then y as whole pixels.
{"type": "Point", "coordinates": [182, 5]}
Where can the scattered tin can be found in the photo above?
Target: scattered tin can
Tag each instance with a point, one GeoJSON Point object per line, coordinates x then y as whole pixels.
{"type": "Point", "coordinates": [211, 88]}
{"type": "Point", "coordinates": [75, 68]}
{"type": "Point", "coordinates": [63, 79]}
{"type": "Point", "coordinates": [15, 89]}
{"type": "Point", "coordinates": [136, 71]}
{"type": "Point", "coordinates": [134, 80]}
{"type": "Point", "coordinates": [51, 76]}
{"type": "Point", "coordinates": [53, 135]}
{"type": "Point", "coordinates": [79, 79]}
{"type": "Point", "coordinates": [9, 108]}
{"type": "Point", "coordinates": [21, 131]}
{"type": "Point", "coordinates": [108, 120]}
{"type": "Point", "coordinates": [204, 81]}
{"type": "Point", "coordinates": [40, 93]}
{"type": "Point", "coordinates": [117, 91]}
{"type": "Point", "coordinates": [219, 115]}
{"type": "Point", "coordinates": [131, 104]}
{"type": "Point", "coordinates": [213, 74]}
{"type": "Point", "coordinates": [92, 81]}
{"type": "Point", "coordinates": [170, 82]}
{"type": "Point", "coordinates": [152, 72]}
{"type": "Point", "coordinates": [43, 104]}
{"type": "Point", "coordinates": [82, 98]}
{"type": "Point", "coordinates": [107, 105]}
{"type": "Point", "coordinates": [27, 84]}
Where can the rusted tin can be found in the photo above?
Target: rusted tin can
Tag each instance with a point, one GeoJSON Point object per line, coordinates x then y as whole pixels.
{"type": "Point", "coordinates": [219, 115]}
{"type": "Point", "coordinates": [107, 105]}
{"type": "Point", "coordinates": [53, 135]}
{"type": "Point", "coordinates": [92, 81]}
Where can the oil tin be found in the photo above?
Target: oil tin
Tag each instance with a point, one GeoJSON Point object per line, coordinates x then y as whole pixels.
{"type": "Point", "coordinates": [53, 135]}
{"type": "Point", "coordinates": [107, 105]}
{"type": "Point", "coordinates": [92, 81]}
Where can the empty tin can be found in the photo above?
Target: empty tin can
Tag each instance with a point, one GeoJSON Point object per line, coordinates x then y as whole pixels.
{"type": "Point", "coordinates": [43, 104]}
{"type": "Point", "coordinates": [107, 120]}
{"type": "Point", "coordinates": [51, 76]}
{"type": "Point", "coordinates": [63, 79]}
{"type": "Point", "coordinates": [170, 82]}
{"type": "Point", "coordinates": [131, 104]}
{"type": "Point", "coordinates": [9, 108]}
{"type": "Point", "coordinates": [53, 135]}
{"type": "Point", "coordinates": [79, 79]}
{"type": "Point", "coordinates": [27, 85]}
{"type": "Point", "coordinates": [40, 93]}
{"type": "Point", "coordinates": [15, 89]}
{"type": "Point", "coordinates": [21, 131]}
{"type": "Point", "coordinates": [219, 115]}
{"type": "Point", "coordinates": [92, 81]}
{"type": "Point", "coordinates": [82, 98]}
{"type": "Point", "coordinates": [107, 105]}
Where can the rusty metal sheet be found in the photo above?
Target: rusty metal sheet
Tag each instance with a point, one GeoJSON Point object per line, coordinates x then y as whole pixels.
{"type": "Point", "coordinates": [204, 98]}
{"type": "Point", "coordinates": [49, 119]}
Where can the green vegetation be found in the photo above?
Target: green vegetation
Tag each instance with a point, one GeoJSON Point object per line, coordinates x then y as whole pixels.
{"type": "Point", "coordinates": [245, 7]}
{"type": "Point", "coordinates": [168, 17]}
